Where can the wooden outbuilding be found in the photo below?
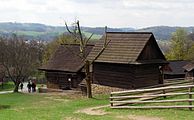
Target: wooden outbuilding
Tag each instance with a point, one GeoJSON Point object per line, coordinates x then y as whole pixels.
{"type": "Point", "coordinates": [64, 68]}
{"type": "Point", "coordinates": [189, 69]}
{"type": "Point", "coordinates": [130, 60]}
{"type": "Point", "coordinates": [176, 69]}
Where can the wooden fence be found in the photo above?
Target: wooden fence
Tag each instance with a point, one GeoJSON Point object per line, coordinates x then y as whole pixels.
{"type": "Point", "coordinates": [172, 82]}
{"type": "Point", "coordinates": [135, 98]}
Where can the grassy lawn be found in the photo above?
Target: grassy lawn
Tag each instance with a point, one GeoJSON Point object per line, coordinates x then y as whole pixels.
{"type": "Point", "coordinates": [7, 86]}
{"type": "Point", "coordinates": [20, 106]}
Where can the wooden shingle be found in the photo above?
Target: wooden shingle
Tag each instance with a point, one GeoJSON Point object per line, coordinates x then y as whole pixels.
{"type": "Point", "coordinates": [189, 66]}
{"type": "Point", "coordinates": [66, 59]}
{"type": "Point", "coordinates": [125, 48]}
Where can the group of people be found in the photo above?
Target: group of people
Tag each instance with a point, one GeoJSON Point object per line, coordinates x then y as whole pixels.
{"type": "Point", "coordinates": [31, 86]}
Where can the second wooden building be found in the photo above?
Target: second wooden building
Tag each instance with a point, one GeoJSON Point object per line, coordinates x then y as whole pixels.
{"type": "Point", "coordinates": [130, 60]}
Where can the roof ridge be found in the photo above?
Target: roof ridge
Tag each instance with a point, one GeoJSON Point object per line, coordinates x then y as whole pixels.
{"type": "Point", "coordinates": [129, 32]}
{"type": "Point", "coordinates": [178, 60]}
{"type": "Point", "coordinates": [74, 44]}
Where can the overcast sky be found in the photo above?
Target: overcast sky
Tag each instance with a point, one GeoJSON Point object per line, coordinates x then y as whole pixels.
{"type": "Point", "coordinates": [111, 13]}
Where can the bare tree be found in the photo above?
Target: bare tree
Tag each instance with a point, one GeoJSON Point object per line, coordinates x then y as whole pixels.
{"type": "Point", "coordinates": [19, 57]}
{"type": "Point", "coordinates": [2, 75]}
{"type": "Point", "coordinates": [83, 41]}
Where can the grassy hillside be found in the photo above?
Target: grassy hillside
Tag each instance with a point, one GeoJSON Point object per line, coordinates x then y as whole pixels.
{"type": "Point", "coordinates": [164, 32]}
{"type": "Point", "coordinates": [56, 106]}
{"type": "Point", "coordinates": [46, 32]}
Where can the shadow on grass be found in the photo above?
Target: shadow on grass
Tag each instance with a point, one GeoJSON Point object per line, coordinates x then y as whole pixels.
{"type": "Point", "coordinates": [96, 98]}
{"type": "Point", "coordinates": [4, 107]}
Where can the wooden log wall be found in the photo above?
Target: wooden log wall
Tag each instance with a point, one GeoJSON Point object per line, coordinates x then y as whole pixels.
{"type": "Point", "coordinates": [146, 75]}
{"type": "Point", "coordinates": [114, 75]}
{"type": "Point", "coordinates": [59, 80]}
{"type": "Point", "coordinates": [125, 76]}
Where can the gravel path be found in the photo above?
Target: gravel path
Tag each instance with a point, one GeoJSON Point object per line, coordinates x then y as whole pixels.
{"type": "Point", "coordinates": [25, 89]}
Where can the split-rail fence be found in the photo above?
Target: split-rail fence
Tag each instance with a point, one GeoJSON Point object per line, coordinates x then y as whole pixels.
{"type": "Point", "coordinates": [146, 98]}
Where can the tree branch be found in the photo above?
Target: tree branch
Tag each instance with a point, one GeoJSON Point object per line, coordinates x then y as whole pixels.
{"type": "Point", "coordinates": [89, 39]}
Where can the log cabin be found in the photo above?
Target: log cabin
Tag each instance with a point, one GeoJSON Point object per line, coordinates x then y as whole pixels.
{"type": "Point", "coordinates": [129, 60]}
{"type": "Point", "coordinates": [176, 69]}
{"type": "Point", "coordinates": [64, 68]}
{"type": "Point", "coordinates": [189, 69]}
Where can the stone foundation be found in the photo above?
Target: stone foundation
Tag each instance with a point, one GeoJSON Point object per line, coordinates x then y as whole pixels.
{"type": "Point", "coordinates": [47, 90]}
{"type": "Point", "coordinates": [52, 85]}
{"type": "Point", "coordinates": [96, 89]}
{"type": "Point", "coordinates": [101, 89]}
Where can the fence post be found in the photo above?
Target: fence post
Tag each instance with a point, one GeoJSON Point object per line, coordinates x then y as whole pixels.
{"type": "Point", "coordinates": [193, 80]}
{"type": "Point", "coordinates": [190, 97]}
{"type": "Point", "coordinates": [111, 104]}
{"type": "Point", "coordinates": [164, 93]}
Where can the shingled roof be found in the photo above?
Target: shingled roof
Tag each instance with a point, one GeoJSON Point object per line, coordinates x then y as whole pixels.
{"type": "Point", "coordinates": [176, 67]}
{"type": "Point", "coordinates": [66, 59]}
{"type": "Point", "coordinates": [125, 47]}
{"type": "Point", "coordinates": [189, 66]}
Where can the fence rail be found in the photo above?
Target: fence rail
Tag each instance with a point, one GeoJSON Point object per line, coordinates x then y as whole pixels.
{"type": "Point", "coordinates": [172, 82]}
{"type": "Point", "coordinates": [134, 98]}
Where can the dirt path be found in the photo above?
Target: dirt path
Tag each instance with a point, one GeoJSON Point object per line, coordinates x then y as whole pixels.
{"type": "Point", "coordinates": [135, 117]}
{"type": "Point", "coordinates": [98, 111]}
{"type": "Point", "coordinates": [93, 110]}
{"type": "Point", "coordinates": [5, 92]}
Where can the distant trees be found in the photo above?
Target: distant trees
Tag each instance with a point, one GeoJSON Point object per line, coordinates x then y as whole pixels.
{"type": "Point", "coordinates": [190, 55]}
{"type": "Point", "coordinates": [181, 46]}
{"type": "Point", "coordinates": [20, 58]}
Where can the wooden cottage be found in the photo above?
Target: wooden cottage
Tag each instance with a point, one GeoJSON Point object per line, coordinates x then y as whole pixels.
{"type": "Point", "coordinates": [64, 69]}
{"type": "Point", "coordinates": [176, 69]}
{"type": "Point", "coordinates": [189, 69]}
{"type": "Point", "coordinates": [130, 60]}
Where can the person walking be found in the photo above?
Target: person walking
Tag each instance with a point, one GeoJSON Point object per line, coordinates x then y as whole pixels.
{"type": "Point", "coordinates": [33, 87]}
{"type": "Point", "coordinates": [21, 86]}
{"type": "Point", "coordinates": [29, 87]}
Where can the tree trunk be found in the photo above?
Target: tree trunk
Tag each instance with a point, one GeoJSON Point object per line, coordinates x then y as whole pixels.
{"type": "Point", "coordinates": [16, 86]}
{"type": "Point", "coordinates": [2, 84]}
{"type": "Point", "coordinates": [88, 81]}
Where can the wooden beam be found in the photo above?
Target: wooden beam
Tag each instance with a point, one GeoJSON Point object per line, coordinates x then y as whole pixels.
{"type": "Point", "coordinates": [190, 97]}
{"type": "Point", "coordinates": [153, 107]}
{"type": "Point", "coordinates": [152, 89]}
{"type": "Point", "coordinates": [170, 83]}
{"type": "Point", "coordinates": [144, 96]}
{"type": "Point", "coordinates": [153, 101]}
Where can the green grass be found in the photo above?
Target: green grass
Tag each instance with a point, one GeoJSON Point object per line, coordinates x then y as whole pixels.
{"type": "Point", "coordinates": [166, 114]}
{"type": "Point", "coordinates": [44, 107]}
{"type": "Point", "coordinates": [20, 106]}
{"type": "Point", "coordinates": [7, 86]}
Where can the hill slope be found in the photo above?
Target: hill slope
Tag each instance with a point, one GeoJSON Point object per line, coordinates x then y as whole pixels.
{"type": "Point", "coordinates": [46, 32]}
{"type": "Point", "coordinates": [164, 32]}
